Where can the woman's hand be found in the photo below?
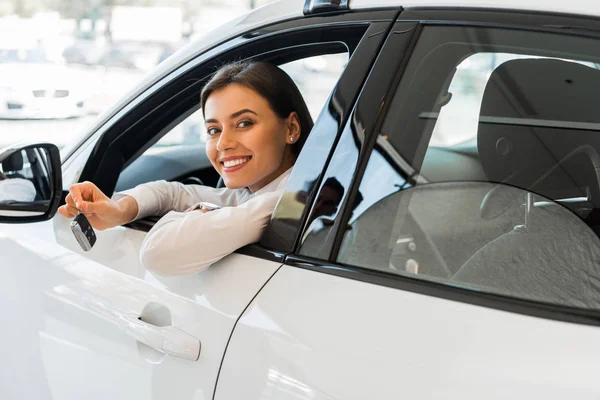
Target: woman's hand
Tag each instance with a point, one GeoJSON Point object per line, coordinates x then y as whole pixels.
{"type": "Point", "coordinates": [100, 210]}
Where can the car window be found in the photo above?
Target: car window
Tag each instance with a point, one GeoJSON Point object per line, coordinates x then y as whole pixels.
{"type": "Point", "coordinates": [502, 136]}
{"type": "Point", "coordinates": [184, 142]}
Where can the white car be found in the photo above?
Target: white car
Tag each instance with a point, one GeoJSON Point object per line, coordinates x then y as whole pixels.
{"type": "Point", "coordinates": [35, 87]}
{"type": "Point", "coordinates": [395, 266]}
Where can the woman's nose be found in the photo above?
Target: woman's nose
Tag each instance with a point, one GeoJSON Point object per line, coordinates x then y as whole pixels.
{"type": "Point", "coordinates": [226, 141]}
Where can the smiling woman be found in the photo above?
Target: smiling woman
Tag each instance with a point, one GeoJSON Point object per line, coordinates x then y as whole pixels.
{"type": "Point", "coordinates": [256, 124]}
{"type": "Point", "coordinates": [254, 117]}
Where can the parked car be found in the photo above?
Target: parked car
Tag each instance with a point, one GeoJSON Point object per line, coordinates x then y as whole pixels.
{"type": "Point", "coordinates": [131, 56]}
{"type": "Point", "coordinates": [83, 52]}
{"type": "Point", "coordinates": [33, 86]}
{"type": "Point", "coordinates": [395, 266]}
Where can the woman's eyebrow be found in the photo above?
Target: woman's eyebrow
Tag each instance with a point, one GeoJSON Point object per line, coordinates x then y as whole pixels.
{"type": "Point", "coordinates": [245, 110]}
{"type": "Point", "coordinates": [234, 115]}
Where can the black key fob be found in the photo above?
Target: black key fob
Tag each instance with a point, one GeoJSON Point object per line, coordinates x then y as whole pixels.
{"type": "Point", "coordinates": [83, 231]}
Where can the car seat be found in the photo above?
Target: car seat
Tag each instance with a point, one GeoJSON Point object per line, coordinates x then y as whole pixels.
{"type": "Point", "coordinates": [537, 139]}
{"type": "Point", "coordinates": [12, 164]}
{"type": "Point", "coordinates": [538, 128]}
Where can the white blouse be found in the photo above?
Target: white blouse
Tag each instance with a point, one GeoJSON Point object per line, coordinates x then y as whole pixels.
{"type": "Point", "coordinates": [185, 241]}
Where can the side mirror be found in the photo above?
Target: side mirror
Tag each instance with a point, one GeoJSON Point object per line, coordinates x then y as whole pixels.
{"type": "Point", "coordinates": [30, 182]}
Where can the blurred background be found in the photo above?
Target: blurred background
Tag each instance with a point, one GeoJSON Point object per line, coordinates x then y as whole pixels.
{"type": "Point", "coordinates": [62, 62]}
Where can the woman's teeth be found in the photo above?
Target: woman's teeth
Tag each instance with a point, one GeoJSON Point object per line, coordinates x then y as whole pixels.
{"type": "Point", "coordinates": [233, 163]}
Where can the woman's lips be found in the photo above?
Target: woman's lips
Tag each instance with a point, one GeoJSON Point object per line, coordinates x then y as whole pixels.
{"type": "Point", "coordinates": [236, 167]}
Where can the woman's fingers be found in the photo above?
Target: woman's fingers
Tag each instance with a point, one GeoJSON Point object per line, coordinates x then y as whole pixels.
{"type": "Point", "coordinates": [89, 208]}
{"type": "Point", "coordinates": [69, 200]}
{"type": "Point", "coordinates": [68, 211]}
{"type": "Point", "coordinates": [86, 197]}
{"type": "Point", "coordinates": [85, 191]}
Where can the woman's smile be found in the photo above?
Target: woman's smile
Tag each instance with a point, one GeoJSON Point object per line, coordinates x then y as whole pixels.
{"type": "Point", "coordinates": [234, 163]}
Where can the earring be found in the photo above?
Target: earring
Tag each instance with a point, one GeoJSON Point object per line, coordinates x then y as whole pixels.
{"type": "Point", "coordinates": [291, 139]}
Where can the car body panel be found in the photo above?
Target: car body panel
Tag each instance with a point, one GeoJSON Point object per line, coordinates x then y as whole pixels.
{"type": "Point", "coordinates": [335, 338]}
{"type": "Point", "coordinates": [71, 312]}
{"type": "Point", "coordinates": [70, 326]}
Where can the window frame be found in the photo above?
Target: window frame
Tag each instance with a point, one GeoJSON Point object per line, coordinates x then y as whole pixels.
{"type": "Point", "coordinates": [528, 21]}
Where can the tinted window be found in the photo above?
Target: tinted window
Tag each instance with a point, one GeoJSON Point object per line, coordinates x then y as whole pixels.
{"type": "Point", "coordinates": [503, 130]}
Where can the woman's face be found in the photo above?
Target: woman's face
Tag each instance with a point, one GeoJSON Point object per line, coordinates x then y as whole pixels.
{"type": "Point", "coordinates": [246, 142]}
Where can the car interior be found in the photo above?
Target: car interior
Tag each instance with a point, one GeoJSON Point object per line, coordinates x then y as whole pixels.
{"type": "Point", "coordinates": [513, 211]}
{"type": "Point", "coordinates": [36, 171]}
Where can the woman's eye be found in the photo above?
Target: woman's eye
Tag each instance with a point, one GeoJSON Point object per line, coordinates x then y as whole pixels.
{"type": "Point", "coordinates": [212, 131]}
{"type": "Point", "coordinates": [245, 124]}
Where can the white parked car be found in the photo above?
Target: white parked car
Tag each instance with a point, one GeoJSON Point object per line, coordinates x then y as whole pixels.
{"type": "Point", "coordinates": [397, 264]}
{"type": "Point", "coordinates": [32, 86]}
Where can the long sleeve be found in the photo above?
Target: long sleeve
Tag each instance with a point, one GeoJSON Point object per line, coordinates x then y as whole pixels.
{"type": "Point", "coordinates": [160, 197]}
{"type": "Point", "coordinates": [184, 243]}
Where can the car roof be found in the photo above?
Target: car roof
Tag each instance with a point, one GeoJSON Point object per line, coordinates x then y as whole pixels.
{"type": "Point", "coordinates": [578, 7]}
{"type": "Point", "coordinates": [283, 10]}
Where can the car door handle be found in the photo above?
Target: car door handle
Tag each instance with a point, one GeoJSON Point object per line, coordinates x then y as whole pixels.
{"type": "Point", "coordinates": [166, 339]}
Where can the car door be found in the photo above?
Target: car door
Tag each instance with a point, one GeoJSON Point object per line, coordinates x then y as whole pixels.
{"type": "Point", "coordinates": [96, 324]}
{"type": "Point", "coordinates": [478, 280]}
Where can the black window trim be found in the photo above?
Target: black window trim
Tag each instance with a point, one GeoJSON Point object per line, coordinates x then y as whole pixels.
{"type": "Point", "coordinates": [531, 21]}
{"type": "Point", "coordinates": [537, 21]}
{"type": "Point", "coordinates": [369, 115]}
{"type": "Point", "coordinates": [326, 134]}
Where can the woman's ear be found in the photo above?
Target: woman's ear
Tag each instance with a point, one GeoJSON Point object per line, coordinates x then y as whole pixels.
{"type": "Point", "coordinates": [294, 130]}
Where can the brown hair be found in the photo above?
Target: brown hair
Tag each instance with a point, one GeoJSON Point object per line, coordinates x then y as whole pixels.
{"type": "Point", "coordinates": [272, 83]}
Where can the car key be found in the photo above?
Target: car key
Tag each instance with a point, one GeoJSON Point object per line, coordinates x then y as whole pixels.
{"type": "Point", "coordinates": [83, 232]}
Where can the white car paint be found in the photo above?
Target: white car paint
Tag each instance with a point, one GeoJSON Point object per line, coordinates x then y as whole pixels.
{"type": "Point", "coordinates": [575, 7]}
{"type": "Point", "coordinates": [70, 311]}
{"type": "Point", "coordinates": [315, 336]}
{"type": "Point", "coordinates": [70, 316]}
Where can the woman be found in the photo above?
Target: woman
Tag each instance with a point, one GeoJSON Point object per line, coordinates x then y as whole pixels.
{"type": "Point", "coordinates": [256, 123]}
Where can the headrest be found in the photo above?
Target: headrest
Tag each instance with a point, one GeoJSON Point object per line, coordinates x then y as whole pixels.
{"type": "Point", "coordinates": [534, 114]}
{"type": "Point", "coordinates": [13, 163]}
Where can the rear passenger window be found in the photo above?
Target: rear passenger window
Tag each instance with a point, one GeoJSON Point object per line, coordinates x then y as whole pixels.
{"type": "Point", "coordinates": [503, 130]}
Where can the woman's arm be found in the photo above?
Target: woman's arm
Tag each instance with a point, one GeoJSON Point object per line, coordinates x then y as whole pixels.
{"type": "Point", "coordinates": [189, 242]}
{"type": "Point", "coordinates": [160, 197]}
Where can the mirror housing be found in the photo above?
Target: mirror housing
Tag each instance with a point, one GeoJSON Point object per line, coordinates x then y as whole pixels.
{"type": "Point", "coordinates": [32, 178]}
